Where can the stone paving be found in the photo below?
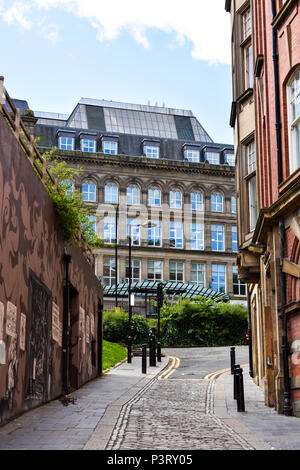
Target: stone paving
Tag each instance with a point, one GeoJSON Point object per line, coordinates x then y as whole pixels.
{"type": "Point", "coordinates": [173, 415]}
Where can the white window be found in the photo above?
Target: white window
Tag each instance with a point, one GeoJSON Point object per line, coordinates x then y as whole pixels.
{"type": "Point", "coordinates": [248, 65]}
{"type": "Point", "coordinates": [133, 230]}
{"type": "Point", "coordinates": [135, 270]}
{"type": "Point", "coordinates": [110, 230]}
{"type": "Point", "coordinates": [109, 271]}
{"type": "Point", "coordinates": [176, 235]}
{"type": "Point", "coordinates": [234, 239]}
{"type": "Point", "coordinates": [88, 145]}
{"type": "Point", "coordinates": [198, 274]}
{"type": "Point", "coordinates": [252, 203]}
{"type": "Point", "coordinates": [175, 199]}
{"type": "Point", "coordinates": [219, 277]}
{"type": "Point", "coordinates": [133, 195]}
{"type": "Point", "coordinates": [233, 204]}
{"type": "Point", "coordinates": [154, 234]}
{"type": "Point", "coordinates": [197, 201]}
{"type": "Point", "coordinates": [293, 99]}
{"type": "Point", "coordinates": [230, 159]}
{"type": "Point", "coordinates": [239, 287]}
{"type": "Point", "coordinates": [217, 202]}
{"type": "Point", "coordinates": [217, 238]}
{"type": "Point", "coordinates": [251, 157]}
{"type": "Point", "coordinates": [246, 24]}
{"type": "Point", "coordinates": [213, 158]}
{"type": "Point", "coordinates": [151, 152]}
{"type": "Point", "coordinates": [197, 237]}
{"type": "Point", "coordinates": [111, 193]}
{"type": "Point", "coordinates": [89, 191]}
{"type": "Point", "coordinates": [154, 270]}
{"type": "Point", "coordinates": [66, 143]}
{"type": "Point", "coordinates": [192, 155]}
{"type": "Point", "coordinates": [176, 271]}
{"type": "Point", "coordinates": [110, 147]}
{"type": "Point", "coordinates": [154, 197]}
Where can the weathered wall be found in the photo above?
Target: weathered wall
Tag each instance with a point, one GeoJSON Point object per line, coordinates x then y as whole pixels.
{"type": "Point", "coordinates": [32, 276]}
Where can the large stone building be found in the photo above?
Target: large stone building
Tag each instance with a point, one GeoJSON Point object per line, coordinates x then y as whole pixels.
{"type": "Point", "coordinates": [265, 116]}
{"type": "Point", "coordinates": [148, 163]}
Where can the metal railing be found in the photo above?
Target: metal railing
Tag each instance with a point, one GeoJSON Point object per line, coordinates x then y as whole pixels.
{"type": "Point", "coordinates": [38, 162]}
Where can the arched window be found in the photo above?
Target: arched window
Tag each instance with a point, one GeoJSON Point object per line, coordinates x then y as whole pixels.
{"type": "Point", "coordinates": [154, 197]}
{"type": "Point", "coordinates": [233, 204]}
{"type": "Point", "coordinates": [133, 195]}
{"type": "Point", "coordinates": [217, 202]}
{"type": "Point", "coordinates": [89, 191]}
{"type": "Point", "coordinates": [197, 201]}
{"type": "Point", "coordinates": [175, 199]}
{"type": "Point", "coordinates": [111, 193]}
{"type": "Point", "coordinates": [293, 100]}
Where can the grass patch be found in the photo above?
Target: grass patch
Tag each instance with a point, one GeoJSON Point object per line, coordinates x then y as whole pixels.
{"type": "Point", "coordinates": [112, 354]}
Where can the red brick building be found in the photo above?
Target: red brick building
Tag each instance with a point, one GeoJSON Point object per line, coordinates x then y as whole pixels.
{"type": "Point", "coordinates": [269, 259]}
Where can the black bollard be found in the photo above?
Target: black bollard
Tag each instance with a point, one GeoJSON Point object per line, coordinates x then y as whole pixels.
{"type": "Point", "coordinates": [129, 350]}
{"type": "Point", "coordinates": [158, 352]}
{"type": "Point", "coordinates": [232, 359]}
{"type": "Point", "coordinates": [150, 348]}
{"type": "Point", "coordinates": [153, 350]}
{"type": "Point", "coordinates": [144, 359]}
{"type": "Point", "coordinates": [235, 391]}
{"type": "Point", "coordinates": [240, 390]}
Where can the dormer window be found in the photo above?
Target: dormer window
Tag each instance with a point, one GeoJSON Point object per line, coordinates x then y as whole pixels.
{"type": "Point", "coordinates": [212, 157]}
{"type": "Point", "coordinates": [88, 142]}
{"type": "Point", "coordinates": [229, 158]}
{"type": "Point", "coordinates": [110, 147]}
{"type": "Point", "coordinates": [151, 148]}
{"type": "Point", "coordinates": [191, 153]}
{"type": "Point", "coordinates": [66, 140]}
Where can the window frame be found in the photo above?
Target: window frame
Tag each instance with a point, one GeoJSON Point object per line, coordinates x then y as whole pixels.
{"type": "Point", "coordinates": [218, 277]}
{"type": "Point", "coordinates": [61, 146]}
{"type": "Point", "coordinates": [293, 121]}
{"type": "Point", "coordinates": [220, 244]}
{"type": "Point", "coordinates": [133, 268]}
{"type": "Point", "coordinates": [111, 229]}
{"type": "Point", "coordinates": [132, 196]}
{"type": "Point", "coordinates": [175, 202]}
{"type": "Point", "coordinates": [177, 272]}
{"type": "Point", "coordinates": [89, 192]}
{"type": "Point", "coordinates": [112, 269]}
{"type": "Point", "coordinates": [198, 272]}
{"type": "Point", "coordinates": [195, 203]}
{"type": "Point", "coordinates": [155, 270]}
{"type": "Point", "coordinates": [155, 234]}
{"type": "Point", "coordinates": [217, 203]}
{"type": "Point", "coordinates": [239, 284]}
{"type": "Point", "coordinates": [109, 144]}
{"type": "Point", "coordinates": [90, 141]}
{"type": "Point", "coordinates": [108, 192]}
{"type": "Point", "coordinates": [154, 188]}
{"type": "Point", "coordinates": [152, 151]}
{"type": "Point", "coordinates": [178, 240]}
{"type": "Point", "coordinates": [199, 229]}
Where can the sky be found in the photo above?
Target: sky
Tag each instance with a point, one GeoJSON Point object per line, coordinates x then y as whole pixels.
{"type": "Point", "coordinates": [171, 52]}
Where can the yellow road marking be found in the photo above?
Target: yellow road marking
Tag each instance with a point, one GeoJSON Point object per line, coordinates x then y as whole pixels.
{"type": "Point", "coordinates": [175, 363]}
{"type": "Point", "coordinates": [214, 375]}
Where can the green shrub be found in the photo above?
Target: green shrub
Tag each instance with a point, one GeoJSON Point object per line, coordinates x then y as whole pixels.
{"type": "Point", "coordinates": [116, 328]}
{"type": "Point", "coordinates": [202, 322]}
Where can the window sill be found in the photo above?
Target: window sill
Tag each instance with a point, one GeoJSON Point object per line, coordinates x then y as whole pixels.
{"type": "Point", "coordinates": [290, 181]}
{"type": "Point", "coordinates": [283, 13]}
{"type": "Point", "coordinates": [247, 94]}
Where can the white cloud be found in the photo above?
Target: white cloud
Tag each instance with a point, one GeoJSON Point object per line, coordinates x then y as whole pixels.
{"type": "Point", "coordinates": [202, 24]}
{"type": "Point", "coordinates": [17, 14]}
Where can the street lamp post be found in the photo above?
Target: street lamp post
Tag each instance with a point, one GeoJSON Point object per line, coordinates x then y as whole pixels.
{"type": "Point", "coordinates": [116, 258]}
{"type": "Point", "coordinates": [129, 344]}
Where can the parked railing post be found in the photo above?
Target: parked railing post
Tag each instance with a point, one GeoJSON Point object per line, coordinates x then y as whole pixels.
{"type": "Point", "coordinates": [144, 359]}
{"type": "Point", "coordinates": [150, 348]}
{"type": "Point", "coordinates": [236, 366]}
{"type": "Point", "coordinates": [240, 390]}
{"type": "Point", "coordinates": [232, 359]}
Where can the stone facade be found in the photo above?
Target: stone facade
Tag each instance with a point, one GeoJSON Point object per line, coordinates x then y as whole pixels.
{"type": "Point", "coordinates": [130, 166]}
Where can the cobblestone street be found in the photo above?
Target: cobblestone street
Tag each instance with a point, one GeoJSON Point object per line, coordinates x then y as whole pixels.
{"type": "Point", "coordinates": [175, 414]}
